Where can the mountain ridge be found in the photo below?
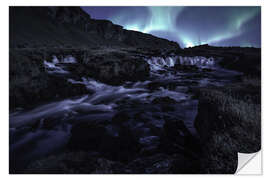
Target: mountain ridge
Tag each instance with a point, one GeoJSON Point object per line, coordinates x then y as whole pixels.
{"type": "Point", "coordinates": [71, 26]}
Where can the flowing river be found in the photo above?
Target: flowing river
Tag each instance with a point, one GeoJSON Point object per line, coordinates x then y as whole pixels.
{"type": "Point", "coordinates": [46, 129]}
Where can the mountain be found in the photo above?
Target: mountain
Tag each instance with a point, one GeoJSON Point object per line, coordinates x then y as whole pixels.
{"type": "Point", "coordinates": [71, 27]}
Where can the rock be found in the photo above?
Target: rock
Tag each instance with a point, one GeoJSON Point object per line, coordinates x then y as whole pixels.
{"type": "Point", "coordinates": [171, 85]}
{"type": "Point", "coordinates": [94, 137]}
{"type": "Point", "coordinates": [182, 164]}
{"type": "Point", "coordinates": [120, 118]}
{"type": "Point", "coordinates": [91, 163]}
{"type": "Point", "coordinates": [177, 138]}
{"type": "Point", "coordinates": [75, 163]}
{"type": "Point", "coordinates": [205, 119]}
{"type": "Point", "coordinates": [30, 84]}
{"type": "Point", "coordinates": [149, 150]}
{"type": "Point", "coordinates": [51, 122]}
{"type": "Point", "coordinates": [182, 89]}
{"type": "Point", "coordinates": [141, 117]}
{"type": "Point", "coordinates": [164, 100]}
{"type": "Point", "coordinates": [189, 68]}
{"type": "Point", "coordinates": [113, 70]}
{"type": "Point", "coordinates": [155, 164]}
{"type": "Point", "coordinates": [113, 67]}
{"type": "Point", "coordinates": [88, 136]}
{"type": "Point", "coordinates": [149, 141]}
{"type": "Point", "coordinates": [154, 85]}
{"type": "Point", "coordinates": [167, 108]}
{"type": "Point", "coordinates": [174, 129]}
{"type": "Point", "coordinates": [150, 145]}
{"type": "Point", "coordinates": [207, 70]}
{"type": "Point", "coordinates": [63, 88]}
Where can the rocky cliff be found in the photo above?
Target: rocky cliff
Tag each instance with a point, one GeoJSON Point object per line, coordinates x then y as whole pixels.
{"type": "Point", "coordinates": [71, 27]}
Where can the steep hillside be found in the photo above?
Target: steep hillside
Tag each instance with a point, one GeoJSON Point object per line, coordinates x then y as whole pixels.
{"type": "Point", "coordinates": [71, 27]}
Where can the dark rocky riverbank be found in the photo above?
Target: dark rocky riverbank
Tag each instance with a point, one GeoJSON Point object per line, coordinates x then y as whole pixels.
{"type": "Point", "coordinates": [228, 122]}
{"type": "Point", "coordinates": [29, 78]}
{"type": "Point", "coordinates": [87, 96]}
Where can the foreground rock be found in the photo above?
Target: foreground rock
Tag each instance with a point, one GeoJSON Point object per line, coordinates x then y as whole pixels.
{"type": "Point", "coordinates": [92, 163]}
{"type": "Point", "coordinates": [110, 148]}
{"type": "Point", "coordinates": [93, 137]}
{"type": "Point", "coordinates": [94, 150]}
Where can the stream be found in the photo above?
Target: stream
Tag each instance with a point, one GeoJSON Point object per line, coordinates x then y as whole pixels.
{"type": "Point", "coordinates": [165, 95]}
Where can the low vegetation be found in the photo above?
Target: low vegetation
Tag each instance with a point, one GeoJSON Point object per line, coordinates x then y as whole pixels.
{"type": "Point", "coordinates": [233, 115]}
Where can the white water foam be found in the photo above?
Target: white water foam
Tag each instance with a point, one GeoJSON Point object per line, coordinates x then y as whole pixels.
{"type": "Point", "coordinates": [159, 63]}
{"type": "Point", "coordinates": [54, 67]}
{"type": "Point", "coordinates": [69, 59]}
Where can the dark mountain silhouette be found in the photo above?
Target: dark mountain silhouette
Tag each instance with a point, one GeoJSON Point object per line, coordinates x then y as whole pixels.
{"type": "Point", "coordinates": [72, 27]}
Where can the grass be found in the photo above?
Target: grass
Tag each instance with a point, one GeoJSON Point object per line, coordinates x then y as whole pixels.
{"type": "Point", "coordinates": [26, 76]}
{"type": "Point", "coordinates": [236, 124]}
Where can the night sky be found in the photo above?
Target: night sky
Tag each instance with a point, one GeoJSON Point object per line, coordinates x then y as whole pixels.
{"type": "Point", "coordinates": [189, 26]}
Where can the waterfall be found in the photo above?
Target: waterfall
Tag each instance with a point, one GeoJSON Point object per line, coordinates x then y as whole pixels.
{"type": "Point", "coordinates": [159, 63]}
{"type": "Point", "coordinates": [69, 59]}
{"type": "Point", "coordinates": [55, 60]}
{"type": "Point", "coordinates": [54, 67]}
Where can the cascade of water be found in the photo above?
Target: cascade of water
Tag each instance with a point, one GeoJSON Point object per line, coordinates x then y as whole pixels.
{"type": "Point", "coordinates": [55, 68]}
{"type": "Point", "coordinates": [159, 63]}
{"type": "Point", "coordinates": [69, 59]}
{"type": "Point", "coordinates": [170, 62]}
{"type": "Point", "coordinates": [55, 60]}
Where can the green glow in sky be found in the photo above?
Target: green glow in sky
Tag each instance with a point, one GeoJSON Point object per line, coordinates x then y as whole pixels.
{"type": "Point", "coordinates": [164, 19]}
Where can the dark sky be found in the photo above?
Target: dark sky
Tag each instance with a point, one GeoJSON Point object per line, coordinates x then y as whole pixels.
{"type": "Point", "coordinates": [189, 26]}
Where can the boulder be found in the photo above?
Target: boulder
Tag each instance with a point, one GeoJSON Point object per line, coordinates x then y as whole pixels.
{"type": "Point", "coordinates": [95, 137]}
{"type": "Point", "coordinates": [114, 70]}
{"type": "Point", "coordinates": [149, 140]}
{"type": "Point", "coordinates": [188, 68]}
{"type": "Point", "coordinates": [177, 138]}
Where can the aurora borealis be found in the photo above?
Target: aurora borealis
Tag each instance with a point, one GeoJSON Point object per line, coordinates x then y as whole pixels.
{"type": "Point", "coordinates": [189, 26]}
